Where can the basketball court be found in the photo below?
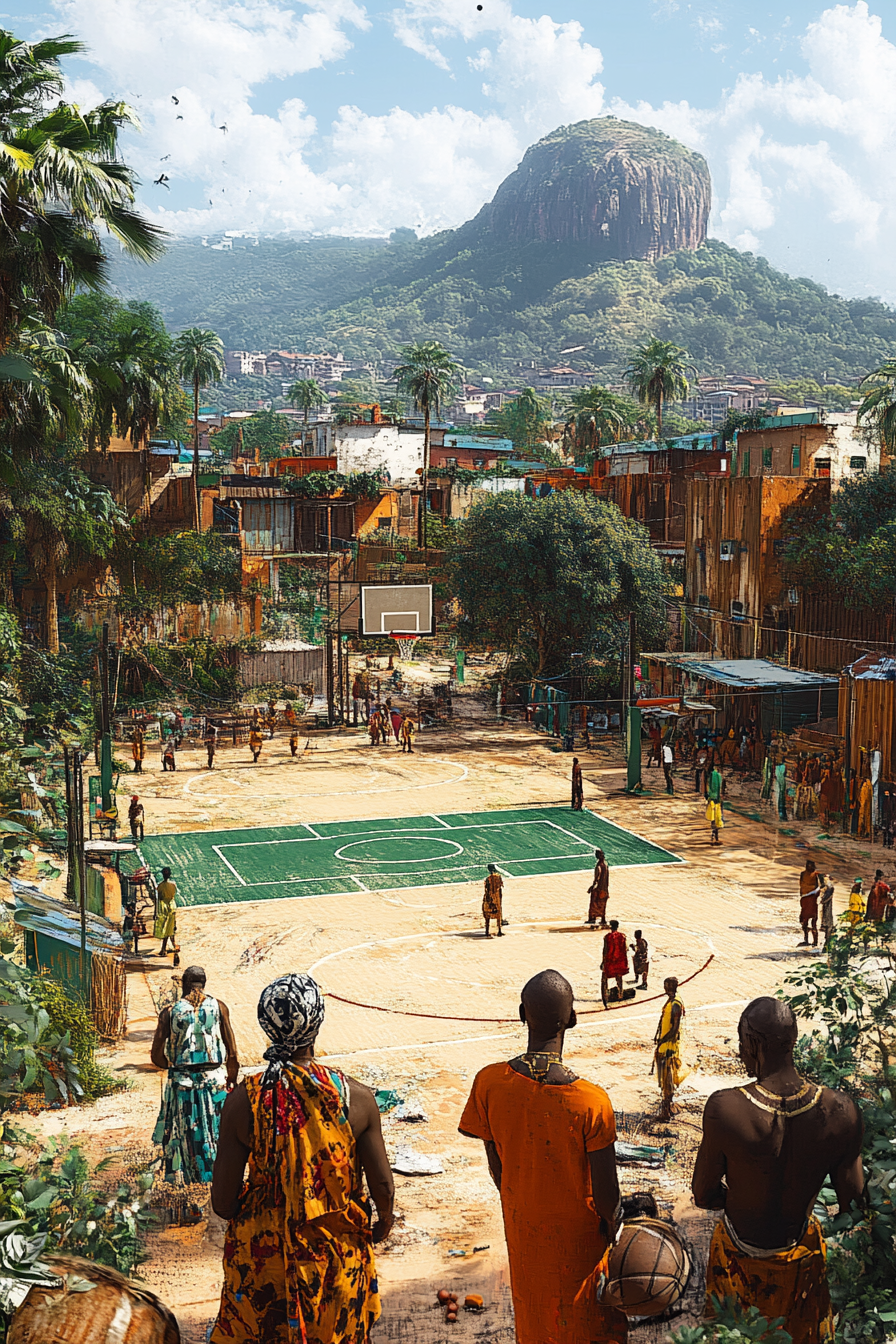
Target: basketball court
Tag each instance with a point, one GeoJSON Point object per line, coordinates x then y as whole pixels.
{"type": "Point", "coordinates": [344, 857]}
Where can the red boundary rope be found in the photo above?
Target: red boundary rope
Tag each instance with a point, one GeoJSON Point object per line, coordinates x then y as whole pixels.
{"type": "Point", "coordinates": [442, 1017]}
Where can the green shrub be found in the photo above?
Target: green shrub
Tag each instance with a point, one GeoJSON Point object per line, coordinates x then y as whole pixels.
{"type": "Point", "coordinates": [70, 1014]}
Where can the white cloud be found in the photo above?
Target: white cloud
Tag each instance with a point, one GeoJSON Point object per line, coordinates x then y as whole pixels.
{"type": "Point", "coordinates": [804, 165]}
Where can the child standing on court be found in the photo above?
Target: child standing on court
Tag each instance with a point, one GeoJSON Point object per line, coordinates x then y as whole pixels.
{"type": "Point", "coordinates": [255, 744]}
{"type": "Point", "coordinates": [640, 959]}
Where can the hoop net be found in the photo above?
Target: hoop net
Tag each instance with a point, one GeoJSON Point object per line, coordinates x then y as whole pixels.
{"type": "Point", "coordinates": [406, 645]}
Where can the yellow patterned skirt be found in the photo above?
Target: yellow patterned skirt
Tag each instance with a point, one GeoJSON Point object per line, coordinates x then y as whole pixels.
{"type": "Point", "coordinates": [791, 1283]}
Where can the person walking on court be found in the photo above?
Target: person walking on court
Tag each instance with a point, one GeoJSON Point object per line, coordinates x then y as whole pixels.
{"type": "Point", "coordinates": [211, 744]}
{"type": "Point", "coordinates": [578, 796]}
{"type": "Point", "coordinates": [714, 789]}
{"type": "Point", "coordinates": [135, 817]}
{"type": "Point", "coordinates": [408, 728]}
{"type": "Point", "coordinates": [809, 890]}
{"type": "Point", "coordinates": [493, 900]}
{"type": "Point", "coordinates": [549, 1141]}
{"type": "Point", "coordinates": [357, 698]}
{"type": "Point", "coordinates": [255, 744]}
{"type": "Point", "coordinates": [166, 915]}
{"type": "Point", "coordinates": [670, 1071]}
{"type": "Point", "coordinates": [599, 891]}
{"type": "Point", "coordinates": [138, 750]}
{"type": "Point", "coordinates": [668, 761]}
{"type": "Point", "coordinates": [826, 920]}
{"type": "Point", "coordinates": [169, 761]}
{"type": "Point", "coordinates": [640, 959]}
{"type": "Point", "coordinates": [393, 719]}
{"type": "Point", "coordinates": [614, 962]}
{"type": "Point", "coordinates": [293, 742]}
{"type": "Point", "coordinates": [373, 726]}
{"type": "Point", "coordinates": [195, 1044]}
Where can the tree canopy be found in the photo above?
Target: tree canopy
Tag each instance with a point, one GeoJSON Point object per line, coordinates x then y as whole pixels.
{"type": "Point", "coordinates": [657, 372]}
{"type": "Point", "coordinates": [526, 420]}
{"type": "Point", "coordinates": [555, 576]}
{"type": "Point", "coordinates": [596, 417]}
{"type": "Point", "coordinates": [849, 552]}
{"type": "Point", "coordinates": [270, 433]}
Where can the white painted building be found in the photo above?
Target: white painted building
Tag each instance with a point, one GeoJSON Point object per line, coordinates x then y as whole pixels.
{"type": "Point", "coordinates": [847, 451]}
{"type": "Point", "coordinates": [387, 448]}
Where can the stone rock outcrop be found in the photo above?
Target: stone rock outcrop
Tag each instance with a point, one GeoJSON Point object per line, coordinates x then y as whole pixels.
{"type": "Point", "coordinates": [623, 190]}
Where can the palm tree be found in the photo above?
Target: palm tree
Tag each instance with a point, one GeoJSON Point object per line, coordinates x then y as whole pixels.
{"type": "Point", "coordinates": [61, 181]}
{"type": "Point", "coordinates": [306, 394]}
{"type": "Point", "coordinates": [597, 417]}
{"type": "Point", "coordinates": [199, 356]}
{"type": "Point", "coordinates": [879, 403]}
{"type": "Point", "coordinates": [658, 372]}
{"type": "Point", "coordinates": [428, 376]}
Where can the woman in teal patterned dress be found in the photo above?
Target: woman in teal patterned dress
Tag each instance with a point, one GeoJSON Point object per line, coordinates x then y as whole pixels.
{"type": "Point", "coordinates": [194, 1041]}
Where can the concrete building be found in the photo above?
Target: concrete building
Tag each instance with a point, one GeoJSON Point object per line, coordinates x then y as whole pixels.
{"type": "Point", "coordinates": [822, 444]}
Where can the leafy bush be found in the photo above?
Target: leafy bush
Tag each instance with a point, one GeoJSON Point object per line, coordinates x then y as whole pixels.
{"type": "Point", "coordinates": [62, 1197]}
{"type": "Point", "coordinates": [734, 1325]}
{"type": "Point", "coordinates": [69, 1014]}
{"type": "Point", "coordinates": [32, 1052]}
{"type": "Point", "coordinates": [356, 485]}
{"type": "Point", "coordinates": [851, 997]}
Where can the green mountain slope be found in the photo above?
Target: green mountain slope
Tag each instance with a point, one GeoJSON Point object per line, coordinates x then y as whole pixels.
{"type": "Point", "coordinates": [493, 306]}
{"type": "Point", "coordinates": [575, 249]}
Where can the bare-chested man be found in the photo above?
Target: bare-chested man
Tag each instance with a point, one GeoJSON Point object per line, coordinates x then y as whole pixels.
{"type": "Point", "coordinates": [767, 1149]}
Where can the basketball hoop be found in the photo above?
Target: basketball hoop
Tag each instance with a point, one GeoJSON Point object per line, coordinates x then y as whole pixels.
{"type": "Point", "coordinates": [406, 644]}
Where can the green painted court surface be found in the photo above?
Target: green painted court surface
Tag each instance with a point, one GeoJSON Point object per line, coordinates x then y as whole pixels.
{"type": "Point", "coordinates": [340, 858]}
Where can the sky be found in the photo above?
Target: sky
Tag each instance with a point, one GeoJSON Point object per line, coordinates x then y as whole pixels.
{"type": "Point", "coordinates": [343, 117]}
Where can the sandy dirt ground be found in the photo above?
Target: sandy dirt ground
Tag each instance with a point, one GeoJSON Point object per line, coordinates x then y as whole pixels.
{"type": "Point", "coordinates": [421, 950]}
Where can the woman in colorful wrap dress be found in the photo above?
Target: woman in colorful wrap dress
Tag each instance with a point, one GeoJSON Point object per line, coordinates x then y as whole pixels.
{"type": "Point", "coordinates": [298, 1257]}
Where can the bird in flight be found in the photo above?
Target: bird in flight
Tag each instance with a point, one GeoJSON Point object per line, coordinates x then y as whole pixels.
{"type": "Point", "coordinates": [164, 158]}
{"type": "Point", "coordinates": [175, 101]}
{"type": "Point", "coordinates": [223, 128]}
{"type": "Point", "coordinates": [161, 181]}
{"type": "Point", "coordinates": [178, 118]}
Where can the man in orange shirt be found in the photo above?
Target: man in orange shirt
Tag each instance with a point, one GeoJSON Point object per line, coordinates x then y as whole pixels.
{"type": "Point", "coordinates": [809, 889]}
{"type": "Point", "coordinates": [549, 1140]}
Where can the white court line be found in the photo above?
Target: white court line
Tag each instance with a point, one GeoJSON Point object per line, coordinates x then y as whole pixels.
{"type": "Point", "coordinates": [308, 827]}
{"type": "Point", "coordinates": [359, 882]}
{"type": "Point", "coordinates": [241, 880]}
{"type": "Point", "coordinates": [513, 1030]}
{"type": "Point", "coordinates": [416, 886]}
{"type": "Point", "coordinates": [440, 821]}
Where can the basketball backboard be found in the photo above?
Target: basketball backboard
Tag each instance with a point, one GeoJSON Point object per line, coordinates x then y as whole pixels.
{"type": "Point", "coordinates": [396, 609]}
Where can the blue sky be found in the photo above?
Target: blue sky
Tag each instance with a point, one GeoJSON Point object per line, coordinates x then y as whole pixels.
{"type": "Point", "coordinates": [353, 118]}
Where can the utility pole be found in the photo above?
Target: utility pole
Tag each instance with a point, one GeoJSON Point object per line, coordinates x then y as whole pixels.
{"type": "Point", "coordinates": [106, 723]}
{"type": "Point", "coordinates": [77, 863]}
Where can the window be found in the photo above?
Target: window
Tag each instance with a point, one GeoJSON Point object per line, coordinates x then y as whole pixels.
{"type": "Point", "coordinates": [450, 461]}
{"type": "Point", "coordinates": [737, 612]}
{"type": "Point", "coordinates": [793, 597]}
{"type": "Point", "coordinates": [822, 466]}
{"type": "Point", "coordinates": [726, 550]}
{"type": "Point", "coordinates": [478, 461]}
{"type": "Point", "coordinates": [795, 456]}
{"type": "Point", "coordinates": [858, 463]}
{"type": "Point", "coordinates": [766, 457]}
{"type": "Point", "coordinates": [384, 524]}
{"type": "Point", "coordinates": [745, 463]}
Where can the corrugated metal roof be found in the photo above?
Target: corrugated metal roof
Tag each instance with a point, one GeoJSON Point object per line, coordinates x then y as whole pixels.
{"type": "Point", "coordinates": [874, 667]}
{"type": "Point", "coordinates": [746, 672]}
{"type": "Point", "coordinates": [788, 421]}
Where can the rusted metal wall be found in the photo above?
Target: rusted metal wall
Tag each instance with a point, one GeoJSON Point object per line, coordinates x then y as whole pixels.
{"type": "Point", "coordinates": [268, 527]}
{"type": "Point", "coordinates": [225, 622]}
{"type": "Point", "coordinates": [873, 723]}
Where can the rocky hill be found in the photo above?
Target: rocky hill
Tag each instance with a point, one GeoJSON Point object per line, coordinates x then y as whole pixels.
{"type": "Point", "coordinates": [534, 274]}
{"type": "Point", "coordinates": [623, 190]}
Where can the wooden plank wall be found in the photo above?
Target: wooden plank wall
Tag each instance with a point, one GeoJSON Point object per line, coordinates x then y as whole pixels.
{"type": "Point", "coordinates": [873, 723]}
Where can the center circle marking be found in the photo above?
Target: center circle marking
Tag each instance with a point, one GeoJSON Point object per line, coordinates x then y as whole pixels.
{"type": "Point", "coordinates": [452, 848]}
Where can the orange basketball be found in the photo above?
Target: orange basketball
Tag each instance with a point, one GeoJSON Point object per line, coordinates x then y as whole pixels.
{"type": "Point", "coordinates": [649, 1268]}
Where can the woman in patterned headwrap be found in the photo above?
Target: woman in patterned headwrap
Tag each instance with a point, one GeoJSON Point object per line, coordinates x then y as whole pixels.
{"type": "Point", "coordinates": [298, 1259]}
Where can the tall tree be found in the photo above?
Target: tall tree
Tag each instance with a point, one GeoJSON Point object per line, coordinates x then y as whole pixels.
{"type": "Point", "coordinates": [526, 420]}
{"type": "Point", "coordinates": [306, 394]}
{"type": "Point", "coordinates": [63, 521]}
{"type": "Point", "coordinates": [429, 375]}
{"type": "Point", "coordinates": [597, 417]}
{"type": "Point", "coordinates": [200, 361]}
{"type": "Point", "coordinates": [878, 408]}
{"type": "Point", "coordinates": [62, 180]}
{"type": "Point", "coordinates": [657, 372]}
{"type": "Point", "coordinates": [549, 577]}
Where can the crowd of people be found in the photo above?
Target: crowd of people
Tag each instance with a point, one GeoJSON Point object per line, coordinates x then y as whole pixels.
{"type": "Point", "coordinates": [297, 1164]}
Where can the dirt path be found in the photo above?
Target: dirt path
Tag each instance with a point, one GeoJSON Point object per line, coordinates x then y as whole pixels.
{"type": "Point", "coordinates": [421, 950]}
